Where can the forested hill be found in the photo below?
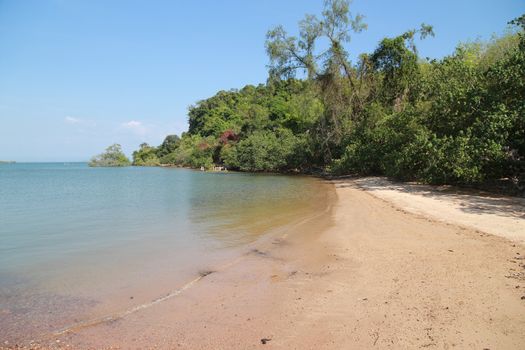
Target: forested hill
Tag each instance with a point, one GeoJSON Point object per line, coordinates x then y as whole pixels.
{"type": "Point", "coordinates": [460, 119]}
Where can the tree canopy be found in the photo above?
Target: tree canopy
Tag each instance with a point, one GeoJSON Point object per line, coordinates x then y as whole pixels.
{"type": "Point", "coordinates": [112, 157]}
{"type": "Point", "coordinates": [459, 119]}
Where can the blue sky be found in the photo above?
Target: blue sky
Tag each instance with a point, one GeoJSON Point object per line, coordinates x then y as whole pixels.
{"type": "Point", "coordinates": [76, 76]}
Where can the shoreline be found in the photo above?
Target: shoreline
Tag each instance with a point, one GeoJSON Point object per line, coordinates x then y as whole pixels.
{"type": "Point", "coordinates": [489, 213]}
{"type": "Point", "coordinates": [370, 274]}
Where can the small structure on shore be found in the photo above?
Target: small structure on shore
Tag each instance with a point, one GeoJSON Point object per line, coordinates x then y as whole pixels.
{"type": "Point", "coordinates": [215, 168]}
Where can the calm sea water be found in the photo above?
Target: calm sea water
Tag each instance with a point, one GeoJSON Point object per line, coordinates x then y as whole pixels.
{"type": "Point", "coordinates": [79, 242]}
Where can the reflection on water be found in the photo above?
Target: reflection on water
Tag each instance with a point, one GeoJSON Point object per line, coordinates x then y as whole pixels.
{"type": "Point", "coordinates": [78, 242]}
{"type": "Point", "coordinates": [237, 209]}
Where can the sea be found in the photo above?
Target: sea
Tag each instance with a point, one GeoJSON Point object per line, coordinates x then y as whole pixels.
{"type": "Point", "coordinates": [80, 243]}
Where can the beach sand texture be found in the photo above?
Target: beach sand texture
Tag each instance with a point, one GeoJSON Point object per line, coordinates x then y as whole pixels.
{"type": "Point", "coordinates": [386, 268]}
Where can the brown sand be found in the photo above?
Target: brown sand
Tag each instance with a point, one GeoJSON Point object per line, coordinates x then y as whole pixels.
{"type": "Point", "coordinates": [368, 275]}
{"type": "Point", "coordinates": [498, 215]}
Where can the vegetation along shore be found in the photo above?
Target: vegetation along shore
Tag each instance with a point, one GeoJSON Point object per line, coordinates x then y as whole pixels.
{"type": "Point", "coordinates": [456, 120]}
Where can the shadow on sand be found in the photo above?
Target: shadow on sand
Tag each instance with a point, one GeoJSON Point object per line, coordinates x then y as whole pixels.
{"type": "Point", "coordinates": [470, 201]}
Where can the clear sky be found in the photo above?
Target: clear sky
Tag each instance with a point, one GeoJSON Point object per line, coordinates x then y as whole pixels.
{"type": "Point", "coordinates": [79, 75]}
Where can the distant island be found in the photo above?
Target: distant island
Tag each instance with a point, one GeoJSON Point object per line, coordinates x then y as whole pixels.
{"type": "Point", "coordinates": [7, 162]}
{"type": "Point", "coordinates": [111, 157]}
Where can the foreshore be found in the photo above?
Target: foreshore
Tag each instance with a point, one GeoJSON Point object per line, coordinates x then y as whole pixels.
{"type": "Point", "coordinates": [385, 267]}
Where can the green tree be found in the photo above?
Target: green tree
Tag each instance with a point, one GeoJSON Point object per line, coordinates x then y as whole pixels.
{"type": "Point", "coordinates": [146, 156]}
{"type": "Point", "coordinates": [340, 90]}
{"type": "Point", "coordinates": [169, 145]}
{"type": "Point", "coordinates": [264, 151]}
{"type": "Point", "coordinates": [397, 62]}
{"type": "Point", "coordinates": [112, 157]}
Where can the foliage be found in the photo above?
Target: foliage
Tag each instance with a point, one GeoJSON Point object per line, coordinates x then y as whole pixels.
{"type": "Point", "coordinates": [463, 124]}
{"type": "Point", "coordinates": [170, 144]}
{"type": "Point", "coordinates": [265, 151]}
{"type": "Point", "coordinates": [395, 59]}
{"type": "Point", "coordinates": [112, 157]}
{"type": "Point", "coordinates": [146, 156]}
{"type": "Point", "coordinates": [192, 151]}
{"type": "Point", "coordinates": [459, 119]}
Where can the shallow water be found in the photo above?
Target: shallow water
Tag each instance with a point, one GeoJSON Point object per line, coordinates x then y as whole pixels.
{"type": "Point", "coordinates": [77, 243]}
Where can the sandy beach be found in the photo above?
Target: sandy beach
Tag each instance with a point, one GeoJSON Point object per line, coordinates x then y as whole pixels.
{"type": "Point", "coordinates": [386, 267]}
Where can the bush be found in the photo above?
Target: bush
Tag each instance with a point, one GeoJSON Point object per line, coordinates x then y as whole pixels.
{"type": "Point", "coordinates": [112, 157]}
{"type": "Point", "coordinates": [146, 156]}
{"type": "Point", "coordinates": [193, 151]}
{"type": "Point", "coordinates": [264, 151]}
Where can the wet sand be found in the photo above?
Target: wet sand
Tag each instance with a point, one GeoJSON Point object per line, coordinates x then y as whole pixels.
{"type": "Point", "coordinates": [366, 274]}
